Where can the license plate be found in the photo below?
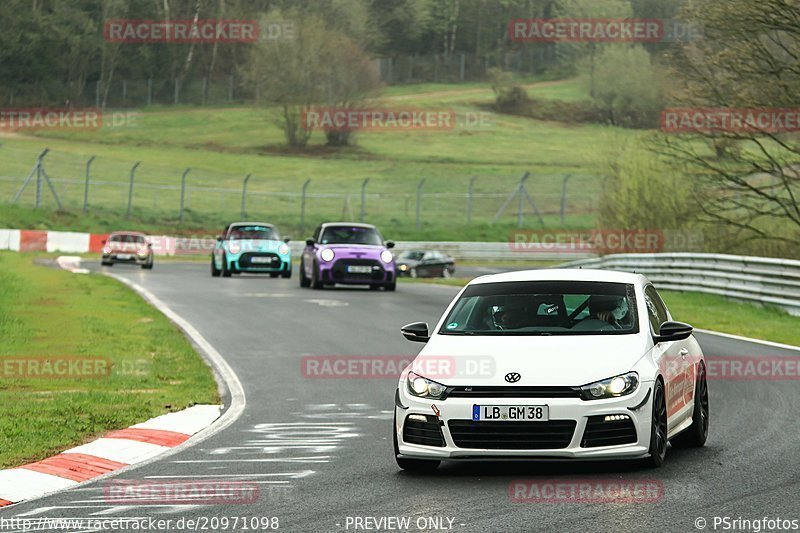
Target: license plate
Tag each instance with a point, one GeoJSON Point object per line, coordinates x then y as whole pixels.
{"type": "Point", "coordinates": [511, 413]}
{"type": "Point", "coordinates": [359, 269]}
{"type": "Point", "coordinates": [124, 256]}
{"type": "Point", "coordinates": [261, 260]}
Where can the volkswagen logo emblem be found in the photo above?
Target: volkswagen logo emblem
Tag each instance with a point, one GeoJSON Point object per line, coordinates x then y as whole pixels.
{"type": "Point", "coordinates": [513, 377]}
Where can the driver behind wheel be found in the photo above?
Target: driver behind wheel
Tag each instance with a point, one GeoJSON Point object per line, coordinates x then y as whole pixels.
{"type": "Point", "coordinates": [610, 309]}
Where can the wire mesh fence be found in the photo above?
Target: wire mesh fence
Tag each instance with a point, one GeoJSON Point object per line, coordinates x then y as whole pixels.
{"type": "Point", "coordinates": [83, 183]}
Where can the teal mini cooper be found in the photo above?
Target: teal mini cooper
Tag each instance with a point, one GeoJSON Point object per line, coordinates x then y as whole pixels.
{"type": "Point", "coordinates": [251, 247]}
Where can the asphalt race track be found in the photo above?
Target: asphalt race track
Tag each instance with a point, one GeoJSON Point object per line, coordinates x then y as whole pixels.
{"type": "Point", "coordinates": [321, 450]}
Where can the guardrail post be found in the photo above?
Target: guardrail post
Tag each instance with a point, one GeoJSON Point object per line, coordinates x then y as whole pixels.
{"type": "Point", "coordinates": [469, 199]}
{"type": "Point", "coordinates": [303, 207]}
{"type": "Point", "coordinates": [86, 186]}
{"type": "Point", "coordinates": [183, 192]}
{"type": "Point", "coordinates": [564, 198]}
{"type": "Point", "coordinates": [130, 188]}
{"type": "Point", "coordinates": [419, 199]}
{"type": "Point", "coordinates": [244, 196]}
{"type": "Point", "coordinates": [363, 199]}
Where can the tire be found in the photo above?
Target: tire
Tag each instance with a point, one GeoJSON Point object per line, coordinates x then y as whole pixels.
{"type": "Point", "coordinates": [316, 283]}
{"type": "Point", "coordinates": [214, 270]}
{"type": "Point", "coordinates": [658, 431]}
{"type": "Point", "coordinates": [287, 274]}
{"type": "Point", "coordinates": [274, 274]}
{"type": "Point", "coordinates": [695, 435]}
{"type": "Point", "coordinates": [226, 273]}
{"type": "Point", "coordinates": [412, 465]}
{"type": "Point", "coordinates": [148, 265]}
{"type": "Point", "coordinates": [106, 264]}
{"type": "Point", "coordinates": [304, 281]}
{"type": "Point", "coordinates": [390, 286]}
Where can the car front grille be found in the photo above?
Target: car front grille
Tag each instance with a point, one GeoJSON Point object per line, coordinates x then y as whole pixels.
{"type": "Point", "coordinates": [339, 271]}
{"type": "Point", "coordinates": [551, 435]}
{"type": "Point", "coordinates": [246, 260]}
{"type": "Point", "coordinates": [612, 433]}
{"type": "Point", "coordinates": [428, 433]}
{"type": "Point", "coordinates": [513, 392]}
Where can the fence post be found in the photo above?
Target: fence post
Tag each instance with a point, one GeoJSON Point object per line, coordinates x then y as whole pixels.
{"type": "Point", "coordinates": [86, 186]}
{"type": "Point", "coordinates": [469, 199]}
{"type": "Point", "coordinates": [97, 93]}
{"type": "Point", "coordinates": [183, 192]}
{"type": "Point", "coordinates": [419, 198]}
{"type": "Point", "coordinates": [244, 195]}
{"type": "Point", "coordinates": [205, 91]}
{"type": "Point", "coordinates": [303, 207]}
{"type": "Point", "coordinates": [177, 88]}
{"type": "Point", "coordinates": [124, 90]}
{"type": "Point", "coordinates": [130, 189]}
{"type": "Point", "coordinates": [564, 197]}
{"type": "Point", "coordinates": [149, 91]}
{"type": "Point", "coordinates": [462, 67]}
{"type": "Point", "coordinates": [363, 199]}
{"type": "Point", "coordinates": [35, 171]}
{"type": "Point", "coordinates": [230, 88]}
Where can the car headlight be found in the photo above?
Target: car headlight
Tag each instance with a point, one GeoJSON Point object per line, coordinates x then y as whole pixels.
{"type": "Point", "coordinates": [424, 387]}
{"type": "Point", "coordinates": [403, 267]}
{"type": "Point", "coordinates": [107, 250]}
{"type": "Point", "coordinates": [611, 387]}
{"type": "Point", "coordinates": [386, 256]}
{"type": "Point", "coordinates": [142, 252]}
{"type": "Point", "coordinates": [327, 254]}
{"type": "Point", "coordinates": [234, 247]}
{"type": "Point", "coordinates": [283, 249]}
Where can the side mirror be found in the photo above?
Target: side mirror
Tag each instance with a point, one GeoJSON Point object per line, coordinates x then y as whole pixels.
{"type": "Point", "coordinates": [673, 331]}
{"type": "Point", "coordinates": [286, 240]}
{"type": "Point", "coordinates": [416, 332]}
{"type": "Point", "coordinates": [390, 244]}
{"type": "Point", "coordinates": [219, 238]}
{"type": "Point", "coordinates": [103, 241]}
{"type": "Point", "coordinates": [310, 242]}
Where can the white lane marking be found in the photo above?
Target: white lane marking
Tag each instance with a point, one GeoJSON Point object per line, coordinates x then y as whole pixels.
{"type": "Point", "coordinates": [265, 295]}
{"type": "Point", "coordinates": [318, 459]}
{"type": "Point", "coordinates": [328, 303]}
{"type": "Point", "coordinates": [292, 475]}
{"type": "Point", "coordinates": [749, 339]}
{"type": "Point", "coordinates": [189, 421]}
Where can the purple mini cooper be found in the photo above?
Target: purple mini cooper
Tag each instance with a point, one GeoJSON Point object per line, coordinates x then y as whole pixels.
{"type": "Point", "coordinates": [348, 253]}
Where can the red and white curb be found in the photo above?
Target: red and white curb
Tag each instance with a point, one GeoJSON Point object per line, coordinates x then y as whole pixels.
{"type": "Point", "coordinates": [114, 451]}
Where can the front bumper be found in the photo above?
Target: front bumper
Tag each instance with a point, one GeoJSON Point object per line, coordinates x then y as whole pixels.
{"type": "Point", "coordinates": [134, 258]}
{"type": "Point", "coordinates": [247, 262]}
{"type": "Point", "coordinates": [562, 411]}
{"type": "Point", "coordinates": [337, 272]}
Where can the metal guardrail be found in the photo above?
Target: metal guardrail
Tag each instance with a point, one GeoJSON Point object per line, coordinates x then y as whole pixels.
{"type": "Point", "coordinates": [498, 252]}
{"type": "Point", "coordinates": [754, 279]}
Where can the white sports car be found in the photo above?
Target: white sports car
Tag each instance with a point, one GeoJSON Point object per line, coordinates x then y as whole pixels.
{"type": "Point", "coordinates": [551, 364]}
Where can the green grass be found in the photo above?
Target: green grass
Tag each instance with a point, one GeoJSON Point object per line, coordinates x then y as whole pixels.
{"type": "Point", "coordinates": [50, 312]}
{"type": "Point", "coordinates": [708, 311]}
{"type": "Point", "coordinates": [223, 144]}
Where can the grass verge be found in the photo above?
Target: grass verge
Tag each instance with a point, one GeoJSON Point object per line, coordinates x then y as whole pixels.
{"type": "Point", "coordinates": [46, 312]}
{"type": "Point", "coordinates": [708, 311]}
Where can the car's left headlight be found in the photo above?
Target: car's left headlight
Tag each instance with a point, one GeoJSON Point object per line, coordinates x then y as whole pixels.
{"type": "Point", "coordinates": [386, 256]}
{"type": "Point", "coordinates": [283, 249]}
{"type": "Point", "coordinates": [612, 387]}
{"type": "Point", "coordinates": [327, 255]}
{"type": "Point", "coordinates": [424, 387]}
{"type": "Point", "coordinates": [234, 247]}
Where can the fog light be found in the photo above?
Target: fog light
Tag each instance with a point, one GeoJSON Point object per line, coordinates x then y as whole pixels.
{"type": "Point", "coordinates": [418, 418]}
{"type": "Point", "coordinates": [616, 418]}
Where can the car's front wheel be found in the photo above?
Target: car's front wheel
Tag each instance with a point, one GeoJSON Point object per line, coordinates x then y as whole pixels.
{"type": "Point", "coordinates": [390, 286]}
{"type": "Point", "coordinates": [316, 283]}
{"type": "Point", "coordinates": [304, 281]}
{"type": "Point", "coordinates": [658, 431]}
{"type": "Point", "coordinates": [695, 436]}
{"type": "Point", "coordinates": [226, 272]}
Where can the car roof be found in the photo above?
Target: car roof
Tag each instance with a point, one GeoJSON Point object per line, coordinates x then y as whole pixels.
{"type": "Point", "coordinates": [136, 233]}
{"type": "Point", "coordinates": [564, 274]}
{"type": "Point", "coordinates": [234, 224]}
{"type": "Point", "coordinates": [353, 224]}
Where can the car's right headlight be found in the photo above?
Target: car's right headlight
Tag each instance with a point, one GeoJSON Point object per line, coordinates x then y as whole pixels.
{"type": "Point", "coordinates": [424, 387]}
{"type": "Point", "coordinates": [327, 255]}
{"type": "Point", "coordinates": [234, 247]}
{"type": "Point", "coordinates": [284, 249]}
{"type": "Point", "coordinates": [612, 387]}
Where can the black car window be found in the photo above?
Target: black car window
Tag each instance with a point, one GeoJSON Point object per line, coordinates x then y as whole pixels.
{"type": "Point", "coordinates": [350, 235]}
{"type": "Point", "coordinates": [656, 310]}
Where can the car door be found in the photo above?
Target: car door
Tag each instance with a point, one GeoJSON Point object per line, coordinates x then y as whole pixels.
{"type": "Point", "coordinates": [674, 360]}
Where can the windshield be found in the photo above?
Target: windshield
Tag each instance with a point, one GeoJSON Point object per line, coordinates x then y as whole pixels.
{"type": "Point", "coordinates": [411, 256]}
{"type": "Point", "coordinates": [138, 239]}
{"type": "Point", "coordinates": [351, 235]}
{"type": "Point", "coordinates": [254, 232]}
{"type": "Point", "coordinates": [544, 308]}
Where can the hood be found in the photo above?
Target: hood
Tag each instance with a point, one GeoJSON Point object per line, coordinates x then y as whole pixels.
{"type": "Point", "coordinates": [541, 361]}
{"type": "Point", "coordinates": [126, 246]}
{"type": "Point", "coordinates": [358, 251]}
{"type": "Point", "coordinates": [257, 245]}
